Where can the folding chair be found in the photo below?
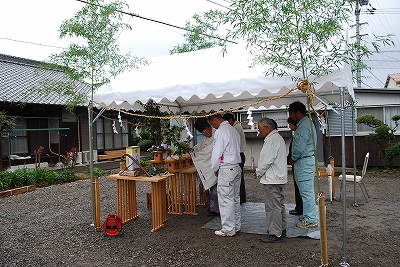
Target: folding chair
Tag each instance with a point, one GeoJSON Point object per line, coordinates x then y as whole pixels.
{"type": "Point", "coordinates": [359, 179]}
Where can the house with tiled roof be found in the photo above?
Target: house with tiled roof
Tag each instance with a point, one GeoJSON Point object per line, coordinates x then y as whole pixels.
{"type": "Point", "coordinates": [393, 81]}
{"type": "Point", "coordinates": [42, 119]}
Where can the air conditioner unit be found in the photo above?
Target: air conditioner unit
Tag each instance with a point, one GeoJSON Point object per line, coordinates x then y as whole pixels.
{"type": "Point", "coordinates": [86, 156]}
{"type": "Point", "coordinates": [95, 156]}
{"type": "Point", "coordinates": [79, 158]}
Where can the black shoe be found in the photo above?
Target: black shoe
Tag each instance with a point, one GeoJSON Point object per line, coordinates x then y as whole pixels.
{"type": "Point", "coordinates": [283, 233]}
{"type": "Point", "coordinates": [271, 239]}
{"type": "Point", "coordinates": [295, 212]}
{"type": "Point", "coordinates": [213, 213]}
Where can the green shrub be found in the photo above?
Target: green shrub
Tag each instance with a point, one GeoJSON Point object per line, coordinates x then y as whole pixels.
{"type": "Point", "coordinates": [96, 172]}
{"type": "Point", "coordinates": [391, 152]}
{"type": "Point", "coordinates": [22, 177]}
{"type": "Point", "coordinates": [39, 175]}
{"type": "Point", "coordinates": [145, 144]}
{"type": "Point", "coordinates": [5, 180]}
{"type": "Point", "coordinates": [67, 175]}
{"type": "Point", "coordinates": [51, 177]}
{"type": "Point", "coordinates": [145, 135]}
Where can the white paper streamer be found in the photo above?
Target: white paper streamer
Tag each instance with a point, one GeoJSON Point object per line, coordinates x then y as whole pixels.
{"type": "Point", "coordinates": [114, 128]}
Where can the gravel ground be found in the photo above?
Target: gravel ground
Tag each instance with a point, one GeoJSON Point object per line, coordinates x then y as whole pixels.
{"type": "Point", "coordinates": [52, 227]}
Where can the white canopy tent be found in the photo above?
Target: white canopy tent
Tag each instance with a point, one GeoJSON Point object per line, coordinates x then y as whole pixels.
{"type": "Point", "coordinates": [208, 80]}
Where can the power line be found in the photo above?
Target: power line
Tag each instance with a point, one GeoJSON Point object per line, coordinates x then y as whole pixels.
{"type": "Point", "coordinates": [215, 3]}
{"type": "Point", "coordinates": [26, 42]}
{"type": "Point", "coordinates": [160, 22]}
{"type": "Point", "coordinates": [378, 12]}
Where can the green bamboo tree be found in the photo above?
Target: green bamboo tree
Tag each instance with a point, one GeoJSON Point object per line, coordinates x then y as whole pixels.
{"type": "Point", "coordinates": [201, 33]}
{"type": "Point", "coordinates": [306, 36]}
{"type": "Point", "coordinates": [94, 56]}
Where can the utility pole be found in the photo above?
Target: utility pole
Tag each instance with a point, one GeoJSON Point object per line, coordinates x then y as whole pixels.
{"type": "Point", "coordinates": [358, 36]}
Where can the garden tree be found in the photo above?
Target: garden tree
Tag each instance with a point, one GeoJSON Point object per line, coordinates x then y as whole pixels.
{"type": "Point", "coordinates": [297, 39]}
{"type": "Point", "coordinates": [306, 36]}
{"type": "Point", "coordinates": [202, 33]}
{"type": "Point", "coordinates": [7, 124]}
{"type": "Point", "coordinates": [151, 121]}
{"type": "Point", "coordinates": [383, 136]}
{"type": "Point", "coordinates": [94, 57]}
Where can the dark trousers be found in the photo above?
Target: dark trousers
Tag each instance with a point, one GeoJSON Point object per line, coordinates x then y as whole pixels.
{"type": "Point", "coordinates": [242, 184]}
{"type": "Point", "coordinates": [297, 197]}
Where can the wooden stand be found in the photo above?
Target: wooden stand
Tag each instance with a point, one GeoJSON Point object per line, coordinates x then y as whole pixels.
{"type": "Point", "coordinates": [189, 176]}
{"type": "Point", "coordinates": [126, 198]}
{"type": "Point", "coordinates": [175, 193]}
{"type": "Point", "coordinates": [182, 191]}
{"type": "Point", "coordinates": [202, 196]}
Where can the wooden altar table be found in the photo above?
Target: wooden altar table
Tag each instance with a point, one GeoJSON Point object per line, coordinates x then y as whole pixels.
{"type": "Point", "coordinates": [183, 192]}
{"type": "Point", "coordinates": [126, 198]}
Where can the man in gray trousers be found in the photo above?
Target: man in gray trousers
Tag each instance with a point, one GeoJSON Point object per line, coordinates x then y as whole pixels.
{"type": "Point", "coordinates": [272, 171]}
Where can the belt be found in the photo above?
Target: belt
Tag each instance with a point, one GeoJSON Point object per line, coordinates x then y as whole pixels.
{"type": "Point", "coordinates": [307, 157]}
{"type": "Point", "coordinates": [230, 167]}
{"type": "Point", "coordinates": [304, 157]}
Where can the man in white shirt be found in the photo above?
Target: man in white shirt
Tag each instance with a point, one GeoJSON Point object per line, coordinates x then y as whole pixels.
{"type": "Point", "coordinates": [225, 160]}
{"type": "Point", "coordinates": [272, 171]}
{"type": "Point", "coordinates": [238, 126]}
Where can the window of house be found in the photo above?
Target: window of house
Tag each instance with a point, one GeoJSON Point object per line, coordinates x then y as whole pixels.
{"type": "Point", "coordinates": [389, 113]}
{"type": "Point", "coordinates": [19, 139]}
{"type": "Point", "coordinates": [377, 112]}
{"type": "Point", "coordinates": [100, 133]}
{"type": "Point", "coordinates": [279, 116]}
{"type": "Point", "coordinates": [257, 115]}
{"type": "Point", "coordinates": [107, 139]}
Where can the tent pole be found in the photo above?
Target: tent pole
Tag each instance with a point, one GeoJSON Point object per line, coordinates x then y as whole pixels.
{"type": "Point", "coordinates": [344, 260]}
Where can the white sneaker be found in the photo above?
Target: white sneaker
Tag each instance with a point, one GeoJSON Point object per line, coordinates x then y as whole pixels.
{"type": "Point", "coordinates": [222, 233]}
{"type": "Point", "coordinates": [305, 224]}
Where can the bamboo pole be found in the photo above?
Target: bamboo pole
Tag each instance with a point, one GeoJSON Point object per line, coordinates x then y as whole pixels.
{"type": "Point", "coordinates": [322, 229]}
{"type": "Point", "coordinates": [321, 203]}
{"type": "Point", "coordinates": [97, 202]}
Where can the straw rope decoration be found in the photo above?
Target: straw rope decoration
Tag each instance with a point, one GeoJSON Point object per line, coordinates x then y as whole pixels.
{"type": "Point", "coordinates": [303, 85]}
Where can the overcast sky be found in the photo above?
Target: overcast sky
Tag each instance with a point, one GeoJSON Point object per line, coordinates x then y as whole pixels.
{"type": "Point", "coordinates": [29, 29]}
